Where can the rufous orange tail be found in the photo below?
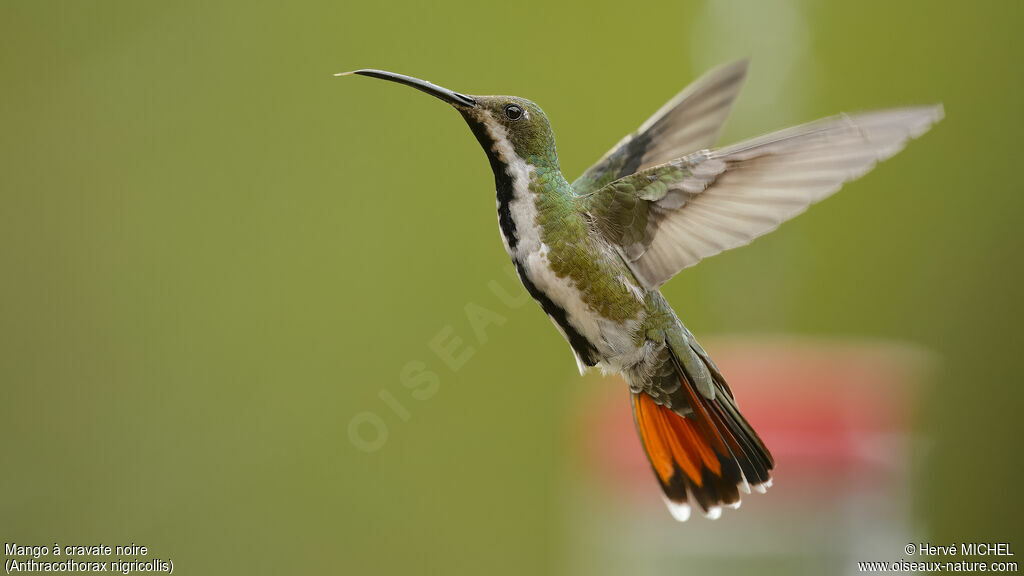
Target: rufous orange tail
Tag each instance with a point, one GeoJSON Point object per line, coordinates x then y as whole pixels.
{"type": "Point", "coordinates": [705, 451]}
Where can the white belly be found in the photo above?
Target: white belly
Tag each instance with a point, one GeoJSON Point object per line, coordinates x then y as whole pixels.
{"type": "Point", "coordinates": [612, 340]}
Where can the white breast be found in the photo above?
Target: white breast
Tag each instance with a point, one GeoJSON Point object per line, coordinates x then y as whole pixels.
{"type": "Point", "coordinates": [613, 341]}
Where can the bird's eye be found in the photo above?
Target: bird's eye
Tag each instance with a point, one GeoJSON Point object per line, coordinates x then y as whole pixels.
{"type": "Point", "coordinates": [513, 111]}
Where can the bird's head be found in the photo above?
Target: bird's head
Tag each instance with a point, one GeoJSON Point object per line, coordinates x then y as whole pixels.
{"type": "Point", "coordinates": [510, 129]}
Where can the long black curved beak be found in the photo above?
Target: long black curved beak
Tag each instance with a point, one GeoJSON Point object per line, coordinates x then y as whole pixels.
{"type": "Point", "coordinates": [445, 94]}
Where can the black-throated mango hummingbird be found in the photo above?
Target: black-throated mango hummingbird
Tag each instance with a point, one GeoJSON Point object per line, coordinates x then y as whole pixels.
{"type": "Point", "coordinates": [594, 253]}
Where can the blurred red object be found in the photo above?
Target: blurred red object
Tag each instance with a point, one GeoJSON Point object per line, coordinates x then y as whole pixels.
{"type": "Point", "coordinates": [825, 409]}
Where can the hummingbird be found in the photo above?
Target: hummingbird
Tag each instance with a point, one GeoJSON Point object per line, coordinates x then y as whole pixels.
{"type": "Point", "coordinates": [595, 252]}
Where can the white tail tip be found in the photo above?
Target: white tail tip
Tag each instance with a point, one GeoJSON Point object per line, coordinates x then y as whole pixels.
{"type": "Point", "coordinates": [680, 512]}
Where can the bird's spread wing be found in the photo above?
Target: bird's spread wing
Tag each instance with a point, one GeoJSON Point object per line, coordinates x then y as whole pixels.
{"type": "Point", "coordinates": [689, 122]}
{"type": "Point", "coordinates": [671, 216]}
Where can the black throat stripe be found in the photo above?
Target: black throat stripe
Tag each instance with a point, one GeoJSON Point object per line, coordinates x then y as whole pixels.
{"type": "Point", "coordinates": [505, 190]}
{"type": "Point", "coordinates": [503, 185]}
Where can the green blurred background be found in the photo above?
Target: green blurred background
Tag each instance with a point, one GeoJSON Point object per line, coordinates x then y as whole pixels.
{"type": "Point", "coordinates": [215, 255]}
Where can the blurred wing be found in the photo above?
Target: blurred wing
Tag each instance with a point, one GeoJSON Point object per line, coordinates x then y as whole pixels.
{"type": "Point", "coordinates": [689, 122]}
{"type": "Point", "coordinates": [671, 216]}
